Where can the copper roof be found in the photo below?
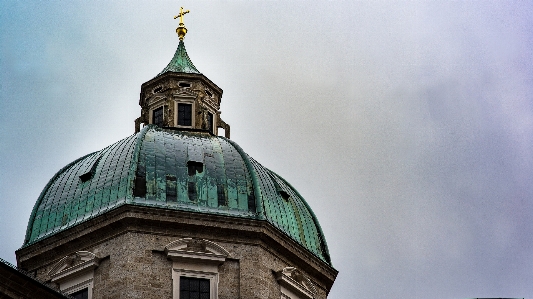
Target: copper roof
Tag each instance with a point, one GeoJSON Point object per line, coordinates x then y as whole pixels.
{"type": "Point", "coordinates": [172, 169]}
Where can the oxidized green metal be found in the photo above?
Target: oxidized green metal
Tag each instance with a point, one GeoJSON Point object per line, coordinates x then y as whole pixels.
{"type": "Point", "coordinates": [172, 169]}
{"type": "Point", "coordinates": [180, 63]}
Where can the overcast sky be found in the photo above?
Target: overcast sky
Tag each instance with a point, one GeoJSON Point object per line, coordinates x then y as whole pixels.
{"type": "Point", "coordinates": [406, 125]}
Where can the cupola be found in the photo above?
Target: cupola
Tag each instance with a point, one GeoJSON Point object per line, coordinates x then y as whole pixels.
{"type": "Point", "coordinates": [180, 96]}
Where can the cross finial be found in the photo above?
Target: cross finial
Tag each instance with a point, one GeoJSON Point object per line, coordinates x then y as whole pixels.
{"type": "Point", "coordinates": [181, 30]}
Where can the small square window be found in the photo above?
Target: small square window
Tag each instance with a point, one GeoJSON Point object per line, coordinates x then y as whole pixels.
{"type": "Point", "coordinates": [184, 114]}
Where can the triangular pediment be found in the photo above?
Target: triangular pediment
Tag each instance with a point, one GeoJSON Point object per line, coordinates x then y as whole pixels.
{"type": "Point", "coordinates": [196, 245]}
{"type": "Point", "coordinates": [73, 264]}
{"type": "Point", "coordinates": [294, 280]}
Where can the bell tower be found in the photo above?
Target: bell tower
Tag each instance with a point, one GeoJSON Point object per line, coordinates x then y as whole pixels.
{"type": "Point", "coordinates": [180, 96]}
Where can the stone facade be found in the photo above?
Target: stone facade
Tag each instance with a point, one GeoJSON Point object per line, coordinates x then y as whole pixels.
{"type": "Point", "coordinates": [130, 243]}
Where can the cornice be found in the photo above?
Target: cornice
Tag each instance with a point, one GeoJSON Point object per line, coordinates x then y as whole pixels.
{"type": "Point", "coordinates": [152, 220]}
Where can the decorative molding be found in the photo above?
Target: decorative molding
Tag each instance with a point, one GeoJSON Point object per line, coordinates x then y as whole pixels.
{"type": "Point", "coordinates": [184, 93]}
{"type": "Point", "coordinates": [75, 272]}
{"type": "Point", "coordinates": [196, 249]}
{"type": "Point", "coordinates": [73, 265]}
{"type": "Point", "coordinates": [155, 100]}
{"type": "Point", "coordinates": [79, 286]}
{"type": "Point", "coordinates": [128, 218]}
{"type": "Point", "coordinates": [293, 282]}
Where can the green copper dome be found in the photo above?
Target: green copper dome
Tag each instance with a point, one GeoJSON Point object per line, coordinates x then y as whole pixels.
{"type": "Point", "coordinates": [180, 63]}
{"type": "Point", "coordinates": [172, 169]}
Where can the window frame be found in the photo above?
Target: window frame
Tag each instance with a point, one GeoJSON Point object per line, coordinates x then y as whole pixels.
{"type": "Point", "coordinates": [187, 262]}
{"type": "Point", "coordinates": [209, 275]}
{"type": "Point", "coordinates": [84, 289]}
{"type": "Point", "coordinates": [178, 114]}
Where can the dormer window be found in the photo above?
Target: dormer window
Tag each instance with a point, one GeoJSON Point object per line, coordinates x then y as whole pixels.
{"type": "Point", "coordinates": [184, 114]}
{"type": "Point", "coordinates": [157, 116]}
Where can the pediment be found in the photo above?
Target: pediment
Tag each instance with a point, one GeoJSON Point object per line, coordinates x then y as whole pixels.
{"type": "Point", "coordinates": [294, 280]}
{"type": "Point", "coordinates": [155, 99]}
{"type": "Point", "coordinates": [74, 264]}
{"type": "Point", "coordinates": [197, 249]}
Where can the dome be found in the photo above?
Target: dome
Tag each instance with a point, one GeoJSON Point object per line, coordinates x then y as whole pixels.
{"type": "Point", "coordinates": [169, 168]}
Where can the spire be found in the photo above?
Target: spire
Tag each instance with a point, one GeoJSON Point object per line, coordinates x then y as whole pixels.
{"type": "Point", "coordinates": [180, 63]}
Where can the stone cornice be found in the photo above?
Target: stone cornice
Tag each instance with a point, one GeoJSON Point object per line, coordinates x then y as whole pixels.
{"type": "Point", "coordinates": [130, 218]}
{"type": "Point", "coordinates": [181, 76]}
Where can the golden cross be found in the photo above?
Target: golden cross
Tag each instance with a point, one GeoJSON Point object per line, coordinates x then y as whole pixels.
{"type": "Point", "coordinates": [181, 14]}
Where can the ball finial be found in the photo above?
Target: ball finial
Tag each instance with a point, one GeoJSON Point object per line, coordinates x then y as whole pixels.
{"type": "Point", "coordinates": [181, 30]}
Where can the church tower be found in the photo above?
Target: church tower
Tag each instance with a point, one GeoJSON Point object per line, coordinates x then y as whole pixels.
{"type": "Point", "coordinates": [176, 211]}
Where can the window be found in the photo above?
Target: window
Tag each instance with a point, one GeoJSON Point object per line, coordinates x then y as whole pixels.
{"type": "Point", "coordinates": [89, 174]}
{"type": "Point", "coordinates": [221, 194]}
{"type": "Point", "coordinates": [171, 188]}
{"type": "Point", "coordinates": [139, 189]}
{"type": "Point", "coordinates": [194, 167]}
{"type": "Point", "coordinates": [194, 288]}
{"type": "Point", "coordinates": [83, 294]}
{"type": "Point", "coordinates": [157, 117]}
{"type": "Point", "coordinates": [184, 114]}
{"type": "Point", "coordinates": [210, 122]}
{"type": "Point", "coordinates": [195, 264]}
{"type": "Point", "coordinates": [191, 190]}
{"type": "Point", "coordinates": [251, 202]}
{"type": "Point", "coordinates": [284, 195]}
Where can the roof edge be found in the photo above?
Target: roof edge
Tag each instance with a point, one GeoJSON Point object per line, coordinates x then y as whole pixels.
{"type": "Point", "coordinates": [48, 287]}
{"type": "Point", "coordinates": [315, 219]}
{"type": "Point", "coordinates": [182, 76]}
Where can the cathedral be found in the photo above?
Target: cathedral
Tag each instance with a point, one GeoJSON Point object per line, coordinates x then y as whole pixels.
{"type": "Point", "coordinates": [173, 211]}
